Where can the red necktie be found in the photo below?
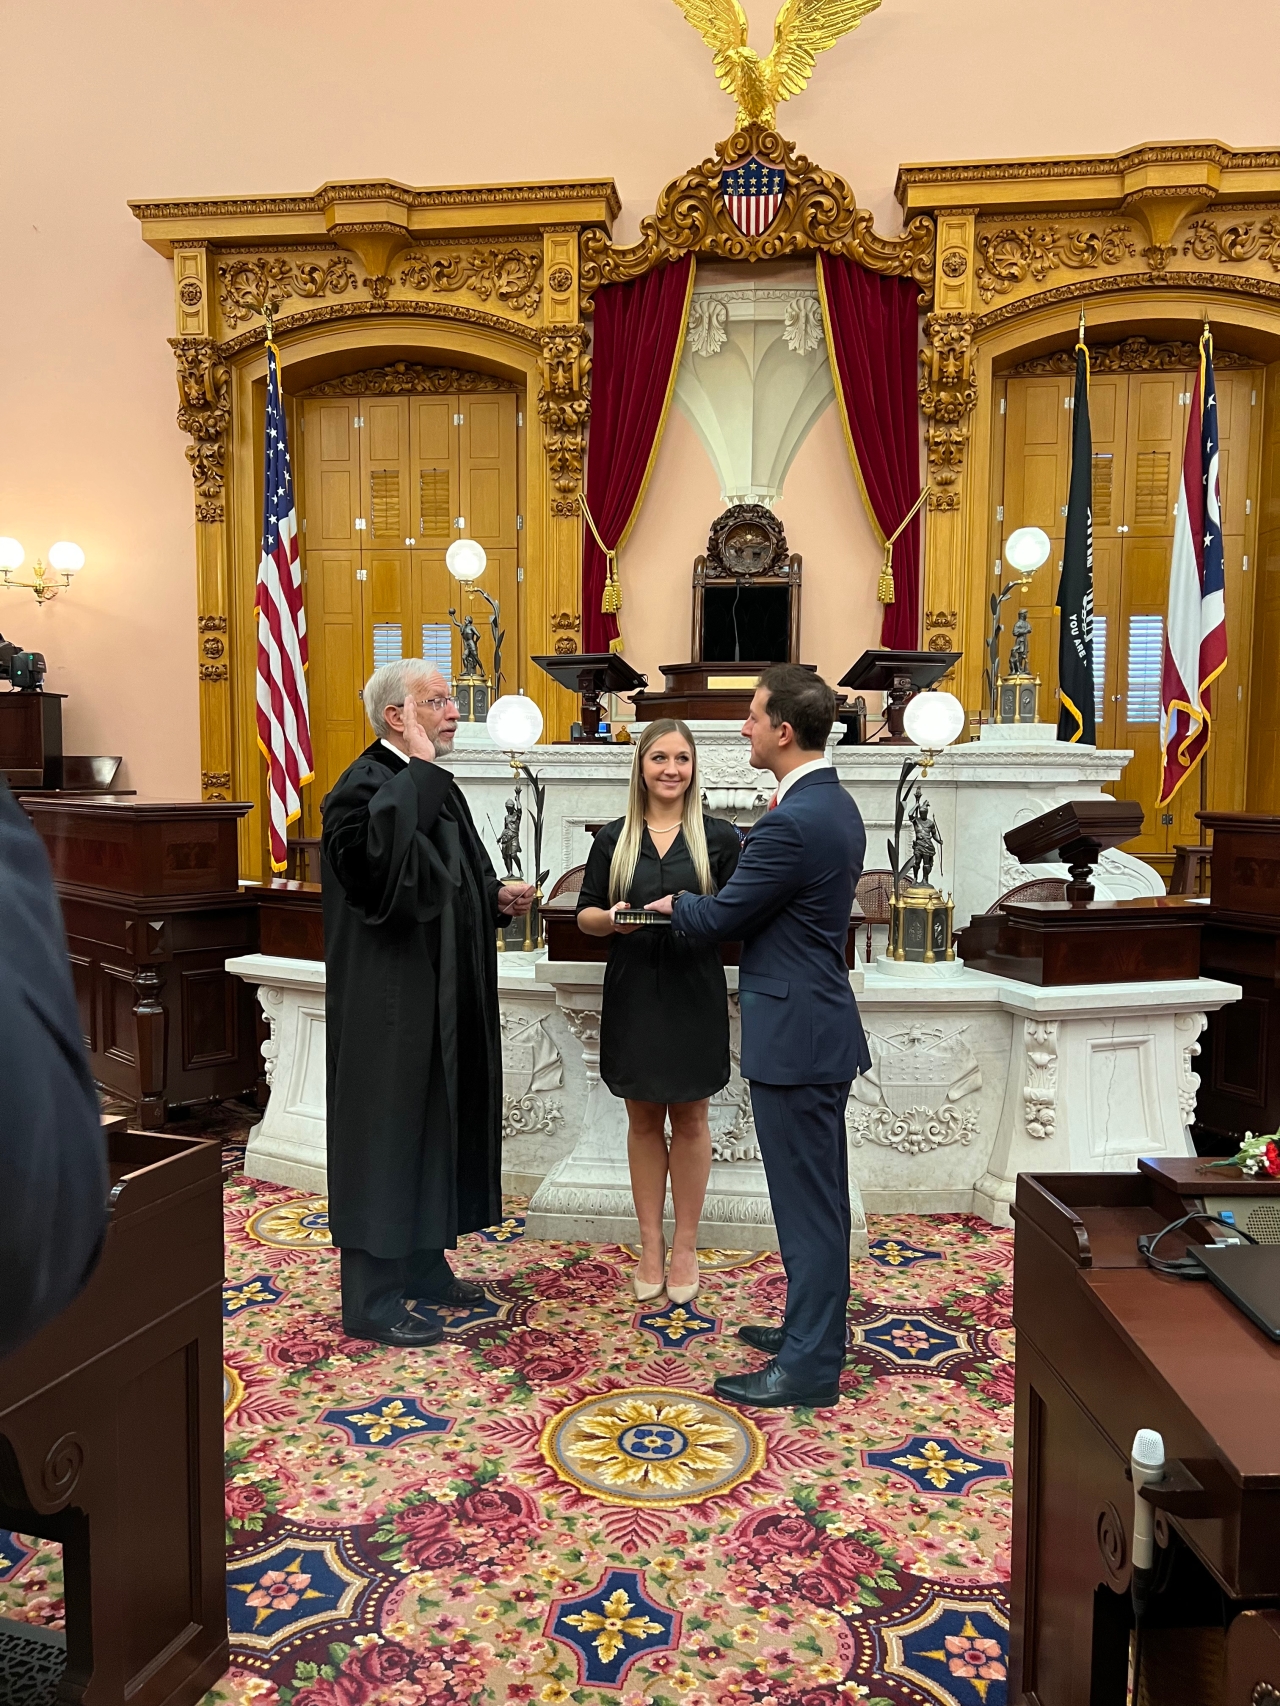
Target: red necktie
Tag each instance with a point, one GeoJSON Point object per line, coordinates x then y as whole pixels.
{"type": "Point", "coordinates": [773, 801]}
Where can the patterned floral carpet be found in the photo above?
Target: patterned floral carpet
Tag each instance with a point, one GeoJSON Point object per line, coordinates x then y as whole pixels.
{"type": "Point", "coordinates": [551, 1507]}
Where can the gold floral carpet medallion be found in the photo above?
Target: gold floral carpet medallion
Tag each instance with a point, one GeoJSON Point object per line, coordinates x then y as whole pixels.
{"type": "Point", "coordinates": [299, 1225]}
{"type": "Point", "coordinates": [653, 1447]}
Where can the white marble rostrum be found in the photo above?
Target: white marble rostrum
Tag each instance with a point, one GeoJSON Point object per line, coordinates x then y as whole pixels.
{"type": "Point", "coordinates": [974, 1079]}
{"type": "Point", "coordinates": [978, 791]}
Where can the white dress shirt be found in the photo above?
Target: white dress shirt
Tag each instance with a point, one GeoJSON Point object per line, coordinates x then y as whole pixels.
{"type": "Point", "coordinates": [402, 756]}
{"type": "Point", "coordinates": [795, 775]}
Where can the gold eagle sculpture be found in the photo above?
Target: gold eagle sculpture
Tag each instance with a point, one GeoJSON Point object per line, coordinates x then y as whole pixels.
{"type": "Point", "coordinates": [801, 31]}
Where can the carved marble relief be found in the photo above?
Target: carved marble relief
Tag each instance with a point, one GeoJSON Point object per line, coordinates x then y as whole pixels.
{"type": "Point", "coordinates": [910, 1099]}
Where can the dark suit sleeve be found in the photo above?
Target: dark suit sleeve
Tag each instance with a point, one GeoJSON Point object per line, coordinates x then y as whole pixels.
{"type": "Point", "coordinates": [768, 874]}
{"type": "Point", "coordinates": [53, 1171]}
{"type": "Point", "coordinates": [375, 840]}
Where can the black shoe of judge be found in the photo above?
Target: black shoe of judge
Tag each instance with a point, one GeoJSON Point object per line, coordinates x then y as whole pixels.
{"type": "Point", "coordinates": [458, 1293]}
{"type": "Point", "coordinates": [771, 1388]}
{"type": "Point", "coordinates": [410, 1332]}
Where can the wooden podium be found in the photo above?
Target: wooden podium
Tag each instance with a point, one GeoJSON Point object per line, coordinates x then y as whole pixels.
{"type": "Point", "coordinates": [111, 1437]}
{"type": "Point", "coordinates": [1105, 1347]}
{"type": "Point", "coordinates": [152, 909]}
{"type": "Point", "coordinates": [1240, 1077]}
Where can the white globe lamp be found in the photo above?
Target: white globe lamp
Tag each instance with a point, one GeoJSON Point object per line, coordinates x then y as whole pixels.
{"type": "Point", "coordinates": [1026, 548]}
{"type": "Point", "coordinates": [67, 558]}
{"type": "Point", "coordinates": [514, 722]}
{"type": "Point", "coordinates": [932, 721]}
{"type": "Point", "coordinates": [465, 560]}
{"type": "Point", "coordinates": [12, 555]}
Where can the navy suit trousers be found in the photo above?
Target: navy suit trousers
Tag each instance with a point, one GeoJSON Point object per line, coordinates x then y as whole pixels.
{"type": "Point", "coordinates": [806, 1161]}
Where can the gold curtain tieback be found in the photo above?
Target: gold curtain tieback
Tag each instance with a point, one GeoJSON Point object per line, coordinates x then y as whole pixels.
{"type": "Point", "coordinates": [884, 589]}
{"type": "Point", "coordinates": [611, 598]}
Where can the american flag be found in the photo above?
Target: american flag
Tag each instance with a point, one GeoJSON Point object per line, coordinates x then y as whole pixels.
{"type": "Point", "coordinates": [284, 732]}
{"type": "Point", "coordinates": [753, 194]}
{"type": "Point", "coordinates": [1195, 640]}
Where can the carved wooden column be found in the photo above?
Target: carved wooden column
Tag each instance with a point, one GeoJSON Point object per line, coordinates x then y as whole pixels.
{"type": "Point", "coordinates": [563, 407]}
{"type": "Point", "coordinates": [948, 393]}
{"type": "Point", "coordinates": [204, 413]}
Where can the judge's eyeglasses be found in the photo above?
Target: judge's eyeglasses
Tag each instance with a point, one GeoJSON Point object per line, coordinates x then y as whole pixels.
{"type": "Point", "coordinates": [434, 704]}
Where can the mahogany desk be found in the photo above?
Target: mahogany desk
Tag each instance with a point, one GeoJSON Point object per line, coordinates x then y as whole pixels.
{"type": "Point", "coordinates": [111, 1436]}
{"type": "Point", "coordinates": [1106, 1346]}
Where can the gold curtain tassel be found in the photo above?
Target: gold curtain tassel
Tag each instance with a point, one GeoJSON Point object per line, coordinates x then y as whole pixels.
{"type": "Point", "coordinates": [884, 590]}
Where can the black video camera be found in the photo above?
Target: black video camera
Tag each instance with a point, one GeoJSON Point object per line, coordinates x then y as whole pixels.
{"type": "Point", "coordinates": [23, 670]}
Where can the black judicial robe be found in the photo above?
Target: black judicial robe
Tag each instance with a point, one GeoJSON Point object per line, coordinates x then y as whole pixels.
{"type": "Point", "coordinates": [414, 1054]}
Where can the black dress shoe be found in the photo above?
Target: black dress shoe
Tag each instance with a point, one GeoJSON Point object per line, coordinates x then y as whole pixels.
{"type": "Point", "coordinates": [458, 1294]}
{"type": "Point", "coordinates": [762, 1338]}
{"type": "Point", "coordinates": [771, 1388]}
{"type": "Point", "coordinates": [410, 1332]}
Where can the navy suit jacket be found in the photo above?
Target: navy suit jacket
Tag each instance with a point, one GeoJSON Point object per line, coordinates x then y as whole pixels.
{"type": "Point", "coordinates": [789, 903]}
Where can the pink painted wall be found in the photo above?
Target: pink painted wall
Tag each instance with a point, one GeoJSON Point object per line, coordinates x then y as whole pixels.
{"type": "Point", "coordinates": [108, 101]}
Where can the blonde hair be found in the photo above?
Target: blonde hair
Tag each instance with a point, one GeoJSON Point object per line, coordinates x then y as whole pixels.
{"type": "Point", "coordinates": [627, 852]}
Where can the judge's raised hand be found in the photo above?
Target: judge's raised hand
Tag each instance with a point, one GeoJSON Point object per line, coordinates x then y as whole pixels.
{"type": "Point", "coordinates": [515, 899]}
{"type": "Point", "coordinates": [416, 738]}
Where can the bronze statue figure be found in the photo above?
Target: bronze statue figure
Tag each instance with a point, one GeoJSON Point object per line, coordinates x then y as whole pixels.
{"type": "Point", "coordinates": [470, 670]}
{"type": "Point", "coordinates": [1018, 650]}
{"type": "Point", "coordinates": [509, 840]}
{"type": "Point", "coordinates": [926, 840]}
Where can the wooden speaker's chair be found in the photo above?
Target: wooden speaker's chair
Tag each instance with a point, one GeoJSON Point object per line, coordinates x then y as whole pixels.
{"type": "Point", "coordinates": [1041, 888]}
{"type": "Point", "coordinates": [302, 860]}
{"type": "Point", "coordinates": [873, 893]}
{"type": "Point", "coordinates": [746, 591]}
{"type": "Point", "coordinates": [570, 882]}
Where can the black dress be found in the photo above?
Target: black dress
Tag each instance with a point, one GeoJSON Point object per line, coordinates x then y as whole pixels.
{"type": "Point", "coordinates": [664, 1029]}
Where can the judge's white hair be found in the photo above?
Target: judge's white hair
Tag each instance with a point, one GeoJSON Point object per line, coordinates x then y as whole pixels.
{"type": "Point", "coordinates": [391, 685]}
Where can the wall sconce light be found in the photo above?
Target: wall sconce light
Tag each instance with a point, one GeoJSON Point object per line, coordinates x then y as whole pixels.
{"type": "Point", "coordinates": [65, 561]}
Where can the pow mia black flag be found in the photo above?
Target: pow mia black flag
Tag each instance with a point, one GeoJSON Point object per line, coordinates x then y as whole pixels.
{"type": "Point", "coordinates": [1075, 589]}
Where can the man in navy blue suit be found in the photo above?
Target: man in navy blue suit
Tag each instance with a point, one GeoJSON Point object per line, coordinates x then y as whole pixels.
{"type": "Point", "coordinates": [789, 903]}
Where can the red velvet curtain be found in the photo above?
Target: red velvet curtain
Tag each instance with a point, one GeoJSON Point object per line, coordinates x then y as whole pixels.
{"type": "Point", "coordinates": [635, 348]}
{"type": "Point", "coordinates": [873, 333]}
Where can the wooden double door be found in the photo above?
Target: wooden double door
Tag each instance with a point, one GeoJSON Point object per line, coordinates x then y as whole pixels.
{"type": "Point", "coordinates": [388, 483]}
{"type": "Point", "coordinates": [1139, 426]}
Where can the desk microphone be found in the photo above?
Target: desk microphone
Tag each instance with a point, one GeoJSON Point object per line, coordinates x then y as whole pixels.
{"type": "Point", "coordinates": [1146, 1465]}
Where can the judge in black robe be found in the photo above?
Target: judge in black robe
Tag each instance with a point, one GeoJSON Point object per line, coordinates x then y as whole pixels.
{"type": "Point", "coordinates": [414, 1091]}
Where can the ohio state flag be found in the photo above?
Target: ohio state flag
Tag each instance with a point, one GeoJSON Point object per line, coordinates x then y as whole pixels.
{"type": "Point", "coordinates": [1195, 634]}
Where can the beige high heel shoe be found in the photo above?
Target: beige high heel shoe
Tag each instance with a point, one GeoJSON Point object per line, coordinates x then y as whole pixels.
{"type": "Point", "coordinates": [644, 1292]}
{"type": "Point", "coordinates": [683, 1293]}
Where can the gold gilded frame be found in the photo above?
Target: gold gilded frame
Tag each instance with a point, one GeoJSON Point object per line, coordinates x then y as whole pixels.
{"type": "Point", "coordinates": [818, 211]}
{"type": "Point", "coordinates": [356, 275]}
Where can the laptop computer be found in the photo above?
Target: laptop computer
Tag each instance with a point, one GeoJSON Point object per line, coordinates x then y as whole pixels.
{"type": "Point", "coordinates": [1249, 1274]}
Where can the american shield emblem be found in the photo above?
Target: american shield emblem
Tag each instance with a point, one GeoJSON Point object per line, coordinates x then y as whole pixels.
{"type": "Point", "coordinates": [753, 194]}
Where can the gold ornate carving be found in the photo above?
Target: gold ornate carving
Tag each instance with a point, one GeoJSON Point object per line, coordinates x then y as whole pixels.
{"type": "Point", "coordinates": [566, 645]}
{"type": "Point", "coordinates": [204, 411]}
{"type": "Point", "coordinates": [801, 31]}
{"type": "Point", "coordinates": [817, 211]}
{"type": "Point", "coordinates": [1008, 255]}
{"type": "Point", "coordinates": [560, 279]}
{"type": "Point", "coordinates": [213, 672]}
{"type": "Point", "coordinates": [507, 274]}
{"type": "Point", "coordinates": [564, 621]}
{"type": "Point", "coordinates": [252, 287]}
{"type": "Point", "coordinates": [212, 647]}
{"type": "Point", "coordinates": [948, 392]}
{"type": "Point", "coordinates": [955, 263]}
{"type": "Point", "coordinates": [212, 624]}
{"type": "Point", "coordinates": [191, 293]}
{"type": "Point", "coordinates": [563, 406]}
{"type": "Point", "coordinates": [1133, 355]}
{"type": "Point", "coordinates": [215, 778]}
{"type": "Point", "coordinates": [430, 310]}
{"type": "Point", "coordinates": [566, 508]}
{"type": "Point", "coordinates": [407, 377]}
{"type": "Point", "coordinates": [940, 619]}
{"type": "Point", "coordinates": [284, 207]}
{"type": "Point", "coordinates": [1235, 244]}
{"type": "Point", "coordinates": [1235, 284]}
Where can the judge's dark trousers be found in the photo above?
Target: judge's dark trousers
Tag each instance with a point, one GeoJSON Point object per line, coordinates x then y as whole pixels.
{"type": "Point", "coordinates": [806, 1162]}
{"type": "Point", "coordinates": [374, 1288]}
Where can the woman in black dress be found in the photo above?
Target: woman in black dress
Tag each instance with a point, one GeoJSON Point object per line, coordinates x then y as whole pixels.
{"type": "Point", "coordinates": [664, 1032]}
